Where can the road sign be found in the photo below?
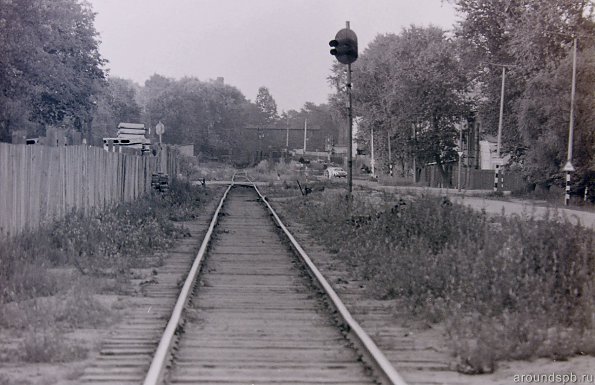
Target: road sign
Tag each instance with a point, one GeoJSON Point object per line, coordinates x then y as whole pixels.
{"type": "Point", "coordinates": [159, 128]}
{"type": "Point", "coordinates": [460, 153]}
{"type": "Point", "coordinates": [568, 167]}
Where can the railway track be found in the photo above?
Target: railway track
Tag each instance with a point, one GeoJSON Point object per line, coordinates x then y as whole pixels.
{"type": "Point", "coordinates": [255, 310]}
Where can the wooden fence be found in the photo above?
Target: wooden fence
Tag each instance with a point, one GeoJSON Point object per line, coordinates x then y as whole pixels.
{"type": "Point", "coordinates": [472, 179]}
{"type": "Point", "coordinates": [39, 183]}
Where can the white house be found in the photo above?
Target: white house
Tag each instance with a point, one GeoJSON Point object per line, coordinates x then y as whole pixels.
{"type": "Point", "coordinates": [488, 155]}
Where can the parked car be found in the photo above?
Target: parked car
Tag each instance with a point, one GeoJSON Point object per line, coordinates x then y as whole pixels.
{"type": "Point", "coordinates": [335, 172]}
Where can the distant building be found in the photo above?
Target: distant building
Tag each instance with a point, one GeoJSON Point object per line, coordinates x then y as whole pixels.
{"type": "Point", "coordinates": [488, 154]}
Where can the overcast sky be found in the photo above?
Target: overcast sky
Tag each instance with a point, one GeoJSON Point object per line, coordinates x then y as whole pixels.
{"type": "Point", "coordinates": [280, 44]}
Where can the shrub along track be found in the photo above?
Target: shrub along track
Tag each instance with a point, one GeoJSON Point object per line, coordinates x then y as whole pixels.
{"type": "Point", "coordinates": [254, 314]}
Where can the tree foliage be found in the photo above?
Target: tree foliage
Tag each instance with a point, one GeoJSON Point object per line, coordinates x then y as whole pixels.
{"type": "Point", "coordinates": [206, 114]}
{"type": "Point", "coordinates": [534, 37]}
{"type": "Point", "coordinates": [414, 79]}
{"type": "Point", "coordinates": [50, 67]}
{"type": "Point", "coordinates": [267, 105]}
{"type": "Point", "coordinates": [544, 114]}
{"type": "Point", "coordinates": [116, 103]}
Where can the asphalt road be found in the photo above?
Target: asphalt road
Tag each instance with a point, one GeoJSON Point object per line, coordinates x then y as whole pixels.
{"type": "Point", "coordinates": [530, 208]}
{"type": "Point", "coordinates": [477, 199]}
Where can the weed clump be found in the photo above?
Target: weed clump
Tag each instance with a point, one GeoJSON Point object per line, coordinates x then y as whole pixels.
{"type": "Point", "coordinates": [507, 287]}
{"type": "Point", "coordinates": [50, 347]}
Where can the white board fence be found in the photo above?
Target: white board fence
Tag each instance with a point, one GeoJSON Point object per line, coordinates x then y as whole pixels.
{"type": "Point", "coordinates": [40, 183]}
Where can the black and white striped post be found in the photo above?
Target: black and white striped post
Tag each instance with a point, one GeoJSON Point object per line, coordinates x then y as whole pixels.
{"type": "Point", "coordinates": [567, 194]}
{"type": "Point", "coordinates": [501, 175]}
{"type": "Point", "coordinates": [568, 168]}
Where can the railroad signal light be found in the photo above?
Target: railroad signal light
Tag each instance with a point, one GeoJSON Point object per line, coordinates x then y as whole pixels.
{"type": "Point", "coordinates": [334, 44]}
{"type": "Point", "coordinates": [344, 46]}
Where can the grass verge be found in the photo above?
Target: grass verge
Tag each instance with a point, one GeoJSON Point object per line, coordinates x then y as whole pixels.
{"type": "Point", "coordinates": [49, 278]}
{"type": "Point", "coordinates": [107, 243]}
{"type": "Point", "coordinates": [507, 287]}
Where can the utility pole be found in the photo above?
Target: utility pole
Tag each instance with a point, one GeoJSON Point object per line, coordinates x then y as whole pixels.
{"type": "Point", "coordinates": [497, 174]}
{"type": "Point", "coordinates": [413, 155]}
{"type": "Point", "coordinates": [287, 136]}
{"type": "Point", "coordinates": [501, 116]}
{"type": "Point", "coordinates": [460, 152]}
{"type": "Point", "coordinates": [260, 133]}
{"type": "Point", "coordinates": [305, 135]}
{"type": "Point", "coordinates": [373, 161]}
{"type": "Point", "coordinates": [500, 119]}
{"type": "Point", "coordinates": [160, 130]}
{"type": "Point", "coordinates": [390, 160]}
{"type": "Point", "coordinates": [568, 167]}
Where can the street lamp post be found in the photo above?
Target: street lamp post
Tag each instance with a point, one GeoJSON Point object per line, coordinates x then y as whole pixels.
{"type": "Point", "coordinates": [568, 168]}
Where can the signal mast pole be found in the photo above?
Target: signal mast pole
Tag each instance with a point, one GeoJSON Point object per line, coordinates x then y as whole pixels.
{"type": "Point", "coordinates": [344, 48]}
{"type": "Point", "coordinates": [350, 135]}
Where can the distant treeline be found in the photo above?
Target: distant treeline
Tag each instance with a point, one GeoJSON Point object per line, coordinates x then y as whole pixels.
{"type": "Point", "coordinates": [52, 74]}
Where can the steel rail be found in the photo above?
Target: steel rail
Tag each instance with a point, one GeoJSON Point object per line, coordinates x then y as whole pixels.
{"type": "Point", "coordinates": [162, 354]}
{"type": "Point", "coordinates": [387, 371]}
{"type": "Point", "coordinates": [160, 358]}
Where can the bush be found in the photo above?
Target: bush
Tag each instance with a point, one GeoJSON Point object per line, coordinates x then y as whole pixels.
{"type": "Point", "coordinates": [514, 287]}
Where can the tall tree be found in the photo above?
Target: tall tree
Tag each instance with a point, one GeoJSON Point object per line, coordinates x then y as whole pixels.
{"type": "Point", "coordinates": [267, 105]}
{"type": "Point", "coordinates": [50, 67]}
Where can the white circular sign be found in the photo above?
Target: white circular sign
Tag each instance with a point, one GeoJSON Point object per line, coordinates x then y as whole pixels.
{"type": "Point", "coordinates": [159, 128]}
